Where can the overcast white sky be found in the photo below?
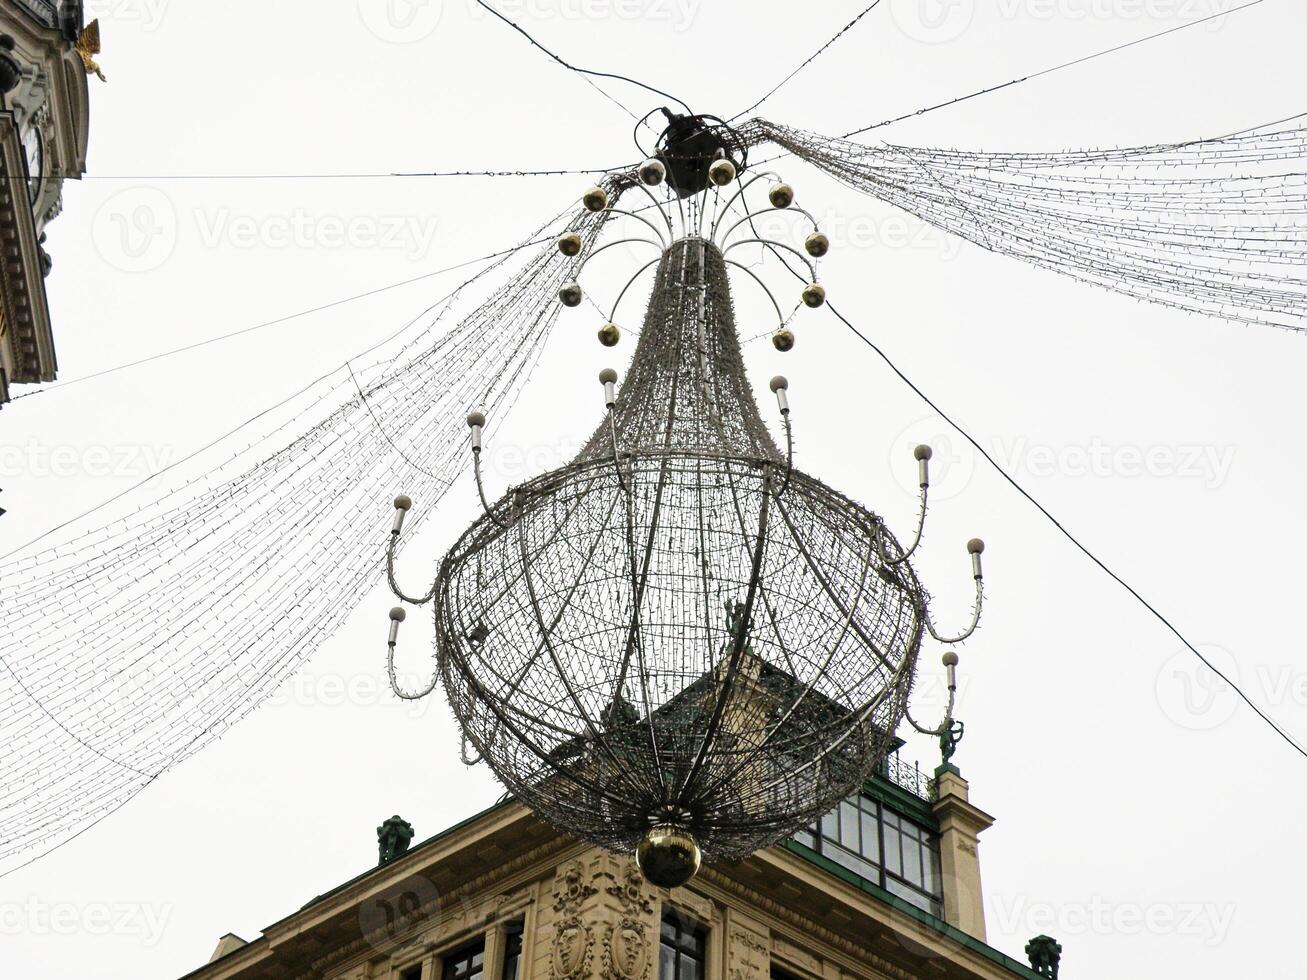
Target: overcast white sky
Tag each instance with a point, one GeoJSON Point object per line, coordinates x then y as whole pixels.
{"type": "Point", "coordinates": [1143, 818]}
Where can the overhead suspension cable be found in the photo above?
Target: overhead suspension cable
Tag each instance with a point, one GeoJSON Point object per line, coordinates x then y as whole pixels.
{"type": "Point", "coordinates": [272, 323]}
{"type": "Point", "coordinates": [1084, 549]}
{"type": "Point", "coordinates": [1054, 68]}
{"type": "Point", "coordinates": [360, 175]}
{"type": "Point", "coordinates": [820, 51]}
{"type": "Point", "coordinates": [584, 71]}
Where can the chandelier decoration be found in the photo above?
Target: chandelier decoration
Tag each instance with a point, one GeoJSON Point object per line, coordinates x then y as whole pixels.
{"type": "Point", "coordinates": [182, 613]}
{"type": "Point", "coordinates": [679, 644]}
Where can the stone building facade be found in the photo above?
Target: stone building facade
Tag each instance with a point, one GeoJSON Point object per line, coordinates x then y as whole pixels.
{"type": "Point", "coordinates": [45, 55]}
{"type": "Point", "coordinates": [887, 888]}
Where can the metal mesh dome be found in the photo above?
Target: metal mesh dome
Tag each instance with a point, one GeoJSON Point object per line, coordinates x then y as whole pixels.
{"type": "Point", "coordinates": [679, 630]}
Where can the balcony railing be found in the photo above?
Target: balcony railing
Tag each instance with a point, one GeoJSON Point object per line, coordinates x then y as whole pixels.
{"type": "Point", "coordinates": [908, 777]}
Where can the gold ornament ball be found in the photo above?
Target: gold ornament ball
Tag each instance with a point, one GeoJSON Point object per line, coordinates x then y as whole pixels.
{"type": "Point", "coordinates": [570, 295]}
{"type": "Point", "coordinates": [817, 245]}
{"type": "Point", "coordinates": [814, 296]}
{"type": "Point", "coordinates": [570, 244]}
{"type": "Point", "coordinates": [595, 199]}
{"type": "Point", "coordinates": [721, 173]}
{"type": "Point", "coordinates": [668, 856]}
{"type": "Point", "coordinates": [783, 340]}
{"type": "Point", "coordinates": [652, 172]}
{"type": "Point", "coordinates": [609, 335]}
{"type": "Point", "coordinates": [781, 195]}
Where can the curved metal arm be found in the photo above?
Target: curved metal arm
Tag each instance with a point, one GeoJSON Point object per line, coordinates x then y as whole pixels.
{"type": "Point", "coordinates": [631, 214]}
{"type": "Point", "coordinates": [463, 756]}
{"type": "Point", "coordinates": [394, 681]}
{"type": "Point", "coordinates": [390, 576]}
{"type": "Point", "coordinates": [617, 459]}
{"type": "Point", "coordinates": [812, 269]}
{"type": "Point", "coordinates": [780, 317]}
{"type": "Point", "coordinates": [481, 490]}
{"type": "Point", "coordinates": [660, 206]}
{"type": "Point", "coordinates": [916, 540]}
{"type": "Point", "coordinates": [753, 214]}
{"type": "Point", "coordinates": [789, 454]}
{"type": "Point", "coordinates": [744, 186]}
{"type": "Point", "coordinates": [629, 283]}
{"type": "Point", "coordinates": [945, 725]}
{"type": "Point", "coordinates": [975, 617]}
{"type": "Point", "coordinates": [620, 241]}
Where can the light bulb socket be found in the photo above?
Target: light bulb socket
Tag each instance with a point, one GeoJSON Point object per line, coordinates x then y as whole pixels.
{"type": "Point", "coordinates": [608, 378]}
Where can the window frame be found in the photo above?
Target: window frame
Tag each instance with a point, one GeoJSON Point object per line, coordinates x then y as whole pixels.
{"type": "Point", "coordinates": [466, 949]}
{"type": "Point", "coordinates": [680, 918]}
{"type": "Point", "coordinates": [890, 821]}
{"type": "Point", "coordinates": [504, 936]}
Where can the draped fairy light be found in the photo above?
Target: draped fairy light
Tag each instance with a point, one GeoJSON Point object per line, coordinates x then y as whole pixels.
{"type": "Point", "coordinates": [1215, 226]}
{"type": "Point", "coordinates": [679, 644]}
{"type": "Point", "coordinates": [127, 649]}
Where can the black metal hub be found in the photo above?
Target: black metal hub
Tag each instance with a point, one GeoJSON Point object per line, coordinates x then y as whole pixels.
{"type": "Point", "coordinates": [689, 146]}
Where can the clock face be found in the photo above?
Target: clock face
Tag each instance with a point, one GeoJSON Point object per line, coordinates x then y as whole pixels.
{"type": "Point", "coordinates": [34, 147]}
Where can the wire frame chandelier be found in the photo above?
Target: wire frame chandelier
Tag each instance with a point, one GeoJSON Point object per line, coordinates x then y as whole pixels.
{"type": "Point", "coordinates": [678, 643]}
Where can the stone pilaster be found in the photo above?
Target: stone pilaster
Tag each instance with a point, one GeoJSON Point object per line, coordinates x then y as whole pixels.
{"type": "Point", "coordinates": [748, 948]}
{"type": "Point", "coordinates": [605, 923]}
{"type": "Point", "coordinates": [960, 826]}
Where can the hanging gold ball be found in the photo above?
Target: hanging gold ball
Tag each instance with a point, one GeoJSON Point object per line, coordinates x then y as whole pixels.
{"type": "Point", "coordinates": [783, 340]}
{"type": "Point", "coordinates": [609, 335]}
{"type": "Point", "coordinates": [814, 295]}
{"type": "Point", "coordinates": [652, 172]}
{"type": "Point", "coordinates": [570, 244]}
{"type": "Point", "coordinates": [668, 856]}
{"type": "Point", "coordinates": [571, 294]}
{"type": "Point", "coordinates": [817, 245]}
{"type": "Point", "coordinates": [595, 199]}
{"type": "Point", "coordinates": [781, 195]}
{"type": "Point", "coordinates": [721, 173]}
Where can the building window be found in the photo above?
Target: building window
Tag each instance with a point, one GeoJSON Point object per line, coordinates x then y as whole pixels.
{"type": "Point", "coordinates": [412, 973]}
{"type": "Point", "coordinates": [681, 948]}
{"type": "Point", "coordinates": [467, 963]}
{"type": "Point", "coordinates": [513, 950]}
{"type": "Point", "coordinates": [883, 847]}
